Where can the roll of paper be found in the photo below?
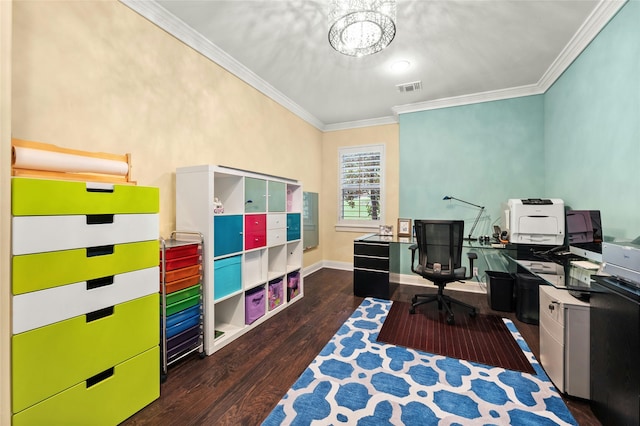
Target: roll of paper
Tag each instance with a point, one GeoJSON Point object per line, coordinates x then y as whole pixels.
{"type": "Point", "coordinates": [36, 159]}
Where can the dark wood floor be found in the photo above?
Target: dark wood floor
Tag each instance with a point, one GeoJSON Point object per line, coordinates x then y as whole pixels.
{"type": "Point", "coordinates": [241, 383]}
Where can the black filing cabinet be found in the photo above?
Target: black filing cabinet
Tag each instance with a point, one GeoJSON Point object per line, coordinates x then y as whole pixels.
{"type": "Point", "coordinates": [615, 344]}
{"type": "Point", "coordinates": [371, 267]}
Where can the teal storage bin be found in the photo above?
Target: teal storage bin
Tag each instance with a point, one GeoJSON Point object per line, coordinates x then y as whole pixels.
{"type": "Point", "coordinates": [227, 276]}
{"type": "Point", "coordinates": [293, 226]}
{"type": "Point", "coordinates": [227, 235]}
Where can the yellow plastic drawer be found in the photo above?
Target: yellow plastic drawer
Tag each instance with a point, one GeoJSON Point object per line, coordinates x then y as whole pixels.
{"type": "Point", "coordinates": [32, 272]}
{"type": "Point", "coordinates": [53, 358]}
{"type": "Point", "coordinates": [106, 399]}
{"type": "Point", "coordinates": [37, 197]}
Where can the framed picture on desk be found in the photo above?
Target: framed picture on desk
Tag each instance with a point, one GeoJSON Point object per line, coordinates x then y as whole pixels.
{"type": "Point", "coordinates": [404, 227]}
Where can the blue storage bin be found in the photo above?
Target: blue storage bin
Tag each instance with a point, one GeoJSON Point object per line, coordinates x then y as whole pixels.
{"type": "Point", "coordinates": [227, 276]}
{"type": "Point", "coordinates": [293, 226]}
{"type": "Point", "coordinates": [227, 234]}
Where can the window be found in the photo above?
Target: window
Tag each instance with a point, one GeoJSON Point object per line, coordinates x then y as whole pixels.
{"type": "Point", "coordinates": [361, 189]}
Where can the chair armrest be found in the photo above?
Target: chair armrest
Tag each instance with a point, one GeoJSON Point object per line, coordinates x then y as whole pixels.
{"type": "Point", "coordinates": [472, 256]}
{"type": "Point", "coordinates": [413, 248]}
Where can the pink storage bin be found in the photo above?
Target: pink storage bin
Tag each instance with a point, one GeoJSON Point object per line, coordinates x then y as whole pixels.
{"type": "Point", "coordinates": [293, 285]}
{"type": "Point", "coordinates": [254, 304]}
{"type": "Point", "coordinates": [276, 293]}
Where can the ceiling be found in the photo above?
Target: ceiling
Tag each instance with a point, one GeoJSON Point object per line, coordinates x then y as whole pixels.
{"type": "Point", "coordinates": [463, 51]}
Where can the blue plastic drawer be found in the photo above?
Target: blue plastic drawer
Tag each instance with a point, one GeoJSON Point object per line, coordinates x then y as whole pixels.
{"type": "Point", "coordinates": [183, 325]}
{"type": "Point", "coordinates": [227, 276]}
{"type": "Point", "coordinates": [182, 315]}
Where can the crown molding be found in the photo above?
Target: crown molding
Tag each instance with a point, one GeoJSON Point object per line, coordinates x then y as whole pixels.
{"type": "Point", "coordinates": [476, 98]}
{"type": "Point", "coordinates": [361, 123]}
{"type": "Point", "coordinates": [159, 16]}
{"type": "Point", "coordinates": [599, 18]}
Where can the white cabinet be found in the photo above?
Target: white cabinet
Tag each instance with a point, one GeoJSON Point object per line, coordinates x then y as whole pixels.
{"type": "Point", "coordinates": [564, 340]}
{"type": "Point", "coordinates": [252, 245]}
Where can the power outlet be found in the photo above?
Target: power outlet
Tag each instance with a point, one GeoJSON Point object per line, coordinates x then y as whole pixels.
{"type": "Point", "coordinates": [475, 271]}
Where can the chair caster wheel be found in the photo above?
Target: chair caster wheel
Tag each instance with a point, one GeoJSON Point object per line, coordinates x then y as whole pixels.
{"type": "Point", "coordinates": [412, 311]}
{"type": "Point", "coordinates": [450, 319]}
{"type": "Point", "coordinates": [473, 314]}
{"type": "Point", "coordinates": [202, 355]}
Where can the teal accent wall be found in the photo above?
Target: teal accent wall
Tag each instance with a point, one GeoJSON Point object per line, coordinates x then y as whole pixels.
{"type": "Point", "coordinates": [483, 153]}
{"type": "Point", "coordinates": [580, 142]}
{"type": "Point", "coordinates": [592, 128]}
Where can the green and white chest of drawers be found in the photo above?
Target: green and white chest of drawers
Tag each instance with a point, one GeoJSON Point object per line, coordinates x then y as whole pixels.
{"type": "Point", "coordinates": [85, 301]}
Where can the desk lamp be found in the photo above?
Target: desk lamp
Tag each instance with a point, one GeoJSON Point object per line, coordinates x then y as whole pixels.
{"type": "Point", "coordinates": [475, 223]}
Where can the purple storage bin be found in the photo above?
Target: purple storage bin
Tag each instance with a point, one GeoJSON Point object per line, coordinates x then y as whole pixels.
{"type": "Point", "coordinates": [254, 304]}
{"type": "Point", "coordinates": [293, 285]}
{"type": "Point", "coordinates": [276, 293]}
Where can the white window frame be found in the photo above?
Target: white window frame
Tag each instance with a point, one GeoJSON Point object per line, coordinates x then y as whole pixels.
{"type": "Point", "coordinates": [350, 225]}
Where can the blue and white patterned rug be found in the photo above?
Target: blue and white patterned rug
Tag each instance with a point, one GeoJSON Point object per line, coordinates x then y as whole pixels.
{"type": "Point", "coordinates": [358, 381]}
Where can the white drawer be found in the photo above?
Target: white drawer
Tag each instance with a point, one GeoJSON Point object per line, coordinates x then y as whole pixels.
{"type": "Point", "coordinates": [40, 308]}
{"type": "Point", "coordinates": [276, 237]}
{"type": "Point", "coordinates": [36, 234]}
{"type": "Point", "coordinates": [551, 305]}
{"type": "Point", "coordinates": [276, 221]}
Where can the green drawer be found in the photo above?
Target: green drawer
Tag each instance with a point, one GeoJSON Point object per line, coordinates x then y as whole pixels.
{"type": "Point", "coordinates": [38, 197]}
{"type": "Point", "coordinates": [53, 358]}
{"type": "Point", "coordinates": [39, 271]}
{"type": "Point", "coordinates": [183, 294]}
{"type": "Point", "coordinates": [183, 304]}
{"type": "Point", "coordinates": [130, 386]}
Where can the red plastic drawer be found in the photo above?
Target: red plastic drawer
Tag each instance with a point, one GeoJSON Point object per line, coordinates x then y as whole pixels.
{"type": "Point", "coordinates": [180, 251]}
{"type": "Point", "coordinates": [182, 262]}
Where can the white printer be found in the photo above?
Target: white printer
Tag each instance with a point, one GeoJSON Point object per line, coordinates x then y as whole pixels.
{"type": "Point", "coordinates": [536, 221]}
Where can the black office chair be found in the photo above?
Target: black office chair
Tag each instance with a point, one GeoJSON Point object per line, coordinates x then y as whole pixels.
{"type": "Point", "coordinates": [439, 245]}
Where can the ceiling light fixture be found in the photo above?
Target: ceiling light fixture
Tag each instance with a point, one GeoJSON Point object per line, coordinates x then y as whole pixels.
{"type": "Point", "coordinates": [361, 27]}
{"type": "Point", "coordinates": [400, 66]}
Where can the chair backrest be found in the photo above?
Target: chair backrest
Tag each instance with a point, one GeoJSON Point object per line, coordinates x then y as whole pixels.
{"type": "Point", "coordinates": [440, 241]}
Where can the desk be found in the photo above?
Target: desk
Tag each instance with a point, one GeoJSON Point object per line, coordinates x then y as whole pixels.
{"type": "Point", "coordinates": [376, 257]}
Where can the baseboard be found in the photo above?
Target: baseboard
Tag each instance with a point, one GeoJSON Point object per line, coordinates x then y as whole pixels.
{"type": "Point", "coordinates": [470, 286]}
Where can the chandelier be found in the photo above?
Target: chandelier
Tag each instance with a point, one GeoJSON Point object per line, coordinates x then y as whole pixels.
{"type": "Point", "coordinates": [361, 27]}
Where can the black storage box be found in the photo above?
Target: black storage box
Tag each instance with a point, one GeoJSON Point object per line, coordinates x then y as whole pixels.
{"type": "Point", "coordinates": [500, 291]}
{"type": "Point", "coordinates": [528, 298]}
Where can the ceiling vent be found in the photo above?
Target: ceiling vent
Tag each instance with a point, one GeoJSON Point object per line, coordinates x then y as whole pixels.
{"type": "Point", "coordinates": [409, 87]}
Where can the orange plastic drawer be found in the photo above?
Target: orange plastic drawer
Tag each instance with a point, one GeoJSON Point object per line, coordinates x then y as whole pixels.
{"type": "Point", "coordinates": [182, 284]}
{"type": "Point", "coordinates": [179, 274]}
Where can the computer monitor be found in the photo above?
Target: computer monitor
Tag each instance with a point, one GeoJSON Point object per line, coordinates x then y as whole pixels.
{"type": "Point", "coordinates": [584, 233]}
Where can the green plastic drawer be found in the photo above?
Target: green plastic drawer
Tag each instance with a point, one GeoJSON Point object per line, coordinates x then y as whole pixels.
{"type": "Point", "coordinates": [126, 389]}
{"type": "Point", "coordinates": [183, 304]}
{"type": "Point", "coordinates": [32, 272]}
{"type": "Point", "coordinates": [183, 294]}
{"type": "Point", "coordinates": [38, 197]}
{"type": "Point", "coordinates": [53, 358]}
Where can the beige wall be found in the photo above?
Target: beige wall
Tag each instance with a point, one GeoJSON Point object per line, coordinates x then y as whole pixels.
{"type": "Point", "coordinates": [5, 217]}
{"type": "Point", "coordinates": [337, 246]}
{"type": "Point", "coordinates": [95, 75]}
